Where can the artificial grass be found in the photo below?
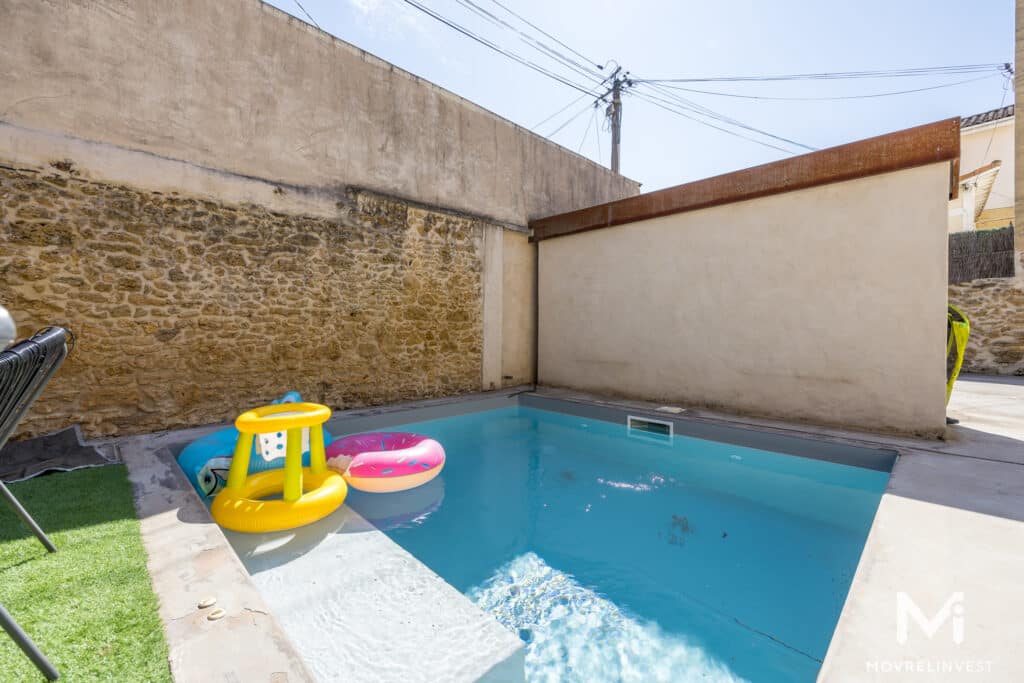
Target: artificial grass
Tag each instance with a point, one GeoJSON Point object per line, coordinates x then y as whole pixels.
{"type": "Point", "coordinates": [90, 606]}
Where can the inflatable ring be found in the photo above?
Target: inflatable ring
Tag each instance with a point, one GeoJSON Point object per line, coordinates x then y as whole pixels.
{"type": "Point", "coordinates": [281, 417]}
{"type": "Point", "coordinates": [242, 510]}
{"type": "Point", "coordinates": [385, 462]}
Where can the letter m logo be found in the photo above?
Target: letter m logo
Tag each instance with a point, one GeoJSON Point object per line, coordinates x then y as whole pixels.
{"type": "Point", "coordinates": [907, 611]}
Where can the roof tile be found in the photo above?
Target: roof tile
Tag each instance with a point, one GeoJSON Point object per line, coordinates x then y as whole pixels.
{"type": "Point", "coordinates": [987, 116]}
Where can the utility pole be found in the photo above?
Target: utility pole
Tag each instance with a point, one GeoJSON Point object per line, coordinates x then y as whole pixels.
{"type": "Point", "coordinates": [616, 121]}
{"type": "Point", "coordinates": [614, 111]}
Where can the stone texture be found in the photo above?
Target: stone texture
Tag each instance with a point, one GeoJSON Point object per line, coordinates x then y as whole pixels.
{"type": "Point", "coordinates": [186, 310]}
{"type": "Point", "coordinates": [995, 308]}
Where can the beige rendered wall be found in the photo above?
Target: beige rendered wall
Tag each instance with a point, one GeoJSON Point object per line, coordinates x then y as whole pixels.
{"type": "Point", "coordinates": [976, 151]}
{"type": "Point", "coordinates": [240, 86]}
{"type": "Point", "coordinates": [519, 309]}
{"type": "Point", "coordinates": [826, 304]}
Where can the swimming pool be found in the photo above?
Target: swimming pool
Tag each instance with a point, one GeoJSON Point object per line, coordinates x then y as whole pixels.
{"type": "Point", "coordinates": [623, 558]}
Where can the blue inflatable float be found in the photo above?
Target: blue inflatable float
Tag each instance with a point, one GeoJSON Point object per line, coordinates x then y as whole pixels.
{"type": "Point", "coordinates": [206, 461]}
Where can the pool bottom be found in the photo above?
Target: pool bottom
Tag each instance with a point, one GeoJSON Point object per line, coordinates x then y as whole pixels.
{"type": "Point", "coordinates": [574, 634]}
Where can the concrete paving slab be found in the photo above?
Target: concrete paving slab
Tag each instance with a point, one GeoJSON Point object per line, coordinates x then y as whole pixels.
{"type": "Point", "coordinates": [189, 560]}
{"type": "Point", "coordinates": [936, 595]}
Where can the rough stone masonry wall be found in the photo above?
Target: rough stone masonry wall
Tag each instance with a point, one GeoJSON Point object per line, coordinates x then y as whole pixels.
{"type": "Point", "coordinates": [995, 308]}
{"type": "Point", "coordinates": [186, 311]}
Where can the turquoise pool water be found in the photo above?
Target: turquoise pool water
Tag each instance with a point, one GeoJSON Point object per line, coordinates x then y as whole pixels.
{"type": "Point", "coordinates": [616, 558]}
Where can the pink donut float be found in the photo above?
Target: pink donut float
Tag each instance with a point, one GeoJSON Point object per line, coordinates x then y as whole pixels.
{"type": "Point", "coordinates": [383, 462]}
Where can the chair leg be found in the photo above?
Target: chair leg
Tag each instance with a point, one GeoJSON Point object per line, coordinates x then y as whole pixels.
{"type": "Point", "coordinates": [27, 646]}
{"type": "Point", "coordinates": [27, 518]}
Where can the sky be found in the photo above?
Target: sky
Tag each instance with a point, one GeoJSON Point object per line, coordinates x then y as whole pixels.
{"type": "Point", "coordinates": [662, 39]}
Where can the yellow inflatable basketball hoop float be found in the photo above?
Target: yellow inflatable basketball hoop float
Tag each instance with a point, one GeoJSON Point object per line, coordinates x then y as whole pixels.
{"type": "Point", "coordinates": [307, 493]}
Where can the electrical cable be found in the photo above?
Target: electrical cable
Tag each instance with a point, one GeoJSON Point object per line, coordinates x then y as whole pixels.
{"type": "Point", "coordinates": [541, 47]}
{"type": "Point", "coordinates": [586, 131]}
{"type": "Point", "coordinates": [500, 50]}
{"type": "Point", "coordinates": [710, 113]}
{"type": "Point", "coordinates": [593, 92]}
{"type": "Point", "coordinates": [837, 97]}
{"type": "Point", "coordinates": [1002, 101]}
{"type": "Point", "coordinates": [308, 15]}
{"type": "Point", "coordinates": [538, 28]}
{"type": "Point", "coordinates": [568, 121]}
{"type": "Point", "coordinates": [645, 97]}
{"type": "Point", "coordinates": [878, 73]}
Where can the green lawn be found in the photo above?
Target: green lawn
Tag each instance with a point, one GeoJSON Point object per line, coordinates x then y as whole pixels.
{"type": "Point", "coordinates": [89, 606]}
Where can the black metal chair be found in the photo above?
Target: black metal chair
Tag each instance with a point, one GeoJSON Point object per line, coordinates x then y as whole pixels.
{"type": "Point", "coordinates": [25, 368]}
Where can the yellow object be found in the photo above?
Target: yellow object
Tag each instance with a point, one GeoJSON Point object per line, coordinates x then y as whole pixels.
{"type": "Point", "coordinates": [242, 510]}
{"type": "Point", "coordinates": [958, 330]}
{"type": "Point", "coordinates": [282, 416]}
{"type": "Point", "coordinates": [307, 493]}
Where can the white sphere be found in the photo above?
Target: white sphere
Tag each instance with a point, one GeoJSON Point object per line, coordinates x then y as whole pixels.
{"type": "Point", "coordinates": [8, 330]}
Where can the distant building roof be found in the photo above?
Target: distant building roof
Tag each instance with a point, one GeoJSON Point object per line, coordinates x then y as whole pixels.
{"type": "Point", "coordinates": [987, 117]}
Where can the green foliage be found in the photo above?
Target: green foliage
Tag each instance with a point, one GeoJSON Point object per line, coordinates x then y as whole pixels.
{"type": "Point", "coordinates": [90, 606]}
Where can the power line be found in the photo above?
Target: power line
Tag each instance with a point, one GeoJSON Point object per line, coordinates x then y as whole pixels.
{"type": "Point", "coordinates": [308, 15]}
{"type": "Point", "coordinates": [541, 47]}
{"type": "Point", "coordinates": [500, 50]}
{"type": "Point", "coordinates": [538, 28]}
{"type": "Point", "coordinates": [879, 73]}
{"type": "Point", "coordinates": [833, 98]}
{"type": "Point", "coordinates": [586, 130]}
{"type": "Point", "coordinates": [548, 118]}
{"type": "Point", "coordinates": [592, 92]}
{"type": "Point", "coordinates": [568, 121]}
{"type": "Point", "coordinates": [676, 111]}
{"type": "Point", "coordinates": [1002, 101]}
{"type": "Point", "coordinates": [681, 102]}
{"type": "Point", "coordinates": [698, 108]}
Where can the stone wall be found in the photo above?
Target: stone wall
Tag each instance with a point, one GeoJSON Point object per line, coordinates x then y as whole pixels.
{"type": "Point", "coordinates": [995, 308]}
{"type": "Point", "coordinates": [187, 310]}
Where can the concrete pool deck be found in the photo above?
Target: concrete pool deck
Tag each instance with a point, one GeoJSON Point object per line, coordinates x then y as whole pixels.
{"type": "Point", "coordinates": [948, 536]}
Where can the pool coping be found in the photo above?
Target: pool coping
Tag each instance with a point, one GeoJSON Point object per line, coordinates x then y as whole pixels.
{"type": "Point", "coordinates": [189, 560]}
{"type": "Point", "coordinates": [937, 493]}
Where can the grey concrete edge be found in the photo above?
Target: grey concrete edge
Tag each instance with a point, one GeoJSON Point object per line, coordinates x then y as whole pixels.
{"type": "Point", "coordinates": [189, 559]}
